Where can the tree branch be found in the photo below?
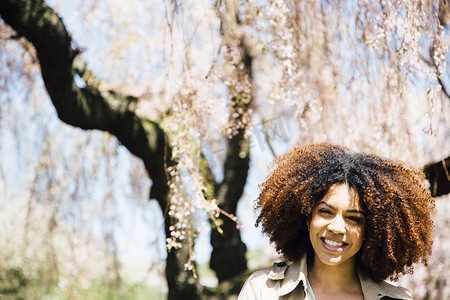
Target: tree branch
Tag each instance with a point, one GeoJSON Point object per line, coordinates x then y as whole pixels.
{"type": "Point", "coordinates": [88, 107]}
{"type": "Point", "coordinates": [437, 174]}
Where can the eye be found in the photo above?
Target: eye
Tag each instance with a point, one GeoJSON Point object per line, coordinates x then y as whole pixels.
{"type": "Point", "coordinates": [355, 219]}
{"type": "Point", "coordinates": [324, 211]}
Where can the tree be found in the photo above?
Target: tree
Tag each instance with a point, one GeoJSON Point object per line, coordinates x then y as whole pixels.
{"type": "Point", "coordinates": [311, 76]}
{"type": "Point", "coordinates": [438, 175]}
{"type": "Point", "coordinates": [90, 108]}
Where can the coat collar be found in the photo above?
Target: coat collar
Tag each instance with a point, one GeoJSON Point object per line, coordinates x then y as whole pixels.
{"type": "Point", "coordinates": [290, 276]}
{"type": "Point", "coordinates": [373, 290]}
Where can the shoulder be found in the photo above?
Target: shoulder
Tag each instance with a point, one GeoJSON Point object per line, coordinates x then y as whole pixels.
{"type": "Point", "coordinates": [383, 290]}
{"type": "Point", "coordinates": [258, 276]}
{"type": "Point", "coordinates": [393, 292]}
{"type": "Point", "coordinates": [276, 272]}
{"type": "Point", "coordinates": [263, 283]}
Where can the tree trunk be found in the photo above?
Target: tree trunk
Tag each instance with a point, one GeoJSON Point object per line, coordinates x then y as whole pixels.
{"type": "Point", "coordinates": [437, 174]}
{"type": "Point", "coordinates": [228, 255]}
{"type": "Point", "coordinates": [181, 283]}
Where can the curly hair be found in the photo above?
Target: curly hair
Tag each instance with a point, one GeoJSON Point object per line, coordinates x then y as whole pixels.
{"type": "Point", "coordinates": [395, 200]}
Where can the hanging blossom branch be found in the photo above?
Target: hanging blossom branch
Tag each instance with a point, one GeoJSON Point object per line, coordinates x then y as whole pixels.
{"type": "Point", "coordinates": [186, 127]}
{"type": "Point", "coordinates": [239, 90]}
{"type": "Point", "coordinates": [240, 47]}
{"type": "Point", "coordinates": [278, 31]}
{"type": "Point", "coordinates": [400, 28]}
{"type": "Point", "coordinates": [282, 20]}
{"type": "Point", "coordinates": [188, 189]}
{"type": "Point", "coordinates": [390, 35]}
{"type": "Point", "coordinates": [189, 125]}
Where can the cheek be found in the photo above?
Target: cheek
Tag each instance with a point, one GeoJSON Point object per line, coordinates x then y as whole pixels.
{"type": "Point", "coordinates": [357, 234]}
{"type": "Point", "coordinates": [317, 223]}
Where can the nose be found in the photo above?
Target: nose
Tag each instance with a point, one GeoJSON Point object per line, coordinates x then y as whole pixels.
{"type": "Point", "coordinates": [337, 225]}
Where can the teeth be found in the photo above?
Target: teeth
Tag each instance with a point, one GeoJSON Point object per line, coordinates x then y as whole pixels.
{"type": "Point", "coordinates": [333, 243]}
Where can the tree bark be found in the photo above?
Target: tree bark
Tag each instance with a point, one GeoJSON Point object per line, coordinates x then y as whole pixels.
{"type": "Point", "coordinates": [228, 255]}
{"type": "Point", "coordinates": [182, 285]}
{"type": "Point", "coordinates": [437, 174]}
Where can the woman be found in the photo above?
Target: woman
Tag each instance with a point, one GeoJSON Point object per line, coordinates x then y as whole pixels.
{"type": "Point", "coordinates": [346, 220]}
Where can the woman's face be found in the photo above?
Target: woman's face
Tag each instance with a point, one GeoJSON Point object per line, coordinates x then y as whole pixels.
{"type": "Point", "coordinates": [337, 226]}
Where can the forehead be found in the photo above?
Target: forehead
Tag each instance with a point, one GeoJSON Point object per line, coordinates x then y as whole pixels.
{"type": "Point", "coordinates": [343, 197]}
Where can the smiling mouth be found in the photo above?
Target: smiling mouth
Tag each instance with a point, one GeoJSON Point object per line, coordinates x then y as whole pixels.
{"type": "Point", "coordinates": [333, 244]}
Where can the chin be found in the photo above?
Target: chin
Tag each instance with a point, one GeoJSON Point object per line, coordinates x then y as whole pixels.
{"type": "Point", "coordinates": [332, 261]}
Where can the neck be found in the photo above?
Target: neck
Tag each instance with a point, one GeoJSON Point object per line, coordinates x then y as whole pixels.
{"type": "Point", "coordinates": [342, 277]}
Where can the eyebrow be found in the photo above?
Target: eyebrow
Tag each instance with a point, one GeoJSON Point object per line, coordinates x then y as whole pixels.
{"type": "Point", "coordinates": [350, 210]}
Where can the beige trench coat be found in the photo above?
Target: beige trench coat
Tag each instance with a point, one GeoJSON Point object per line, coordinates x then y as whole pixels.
{"type": "Point", "coordinates": [280, 282]}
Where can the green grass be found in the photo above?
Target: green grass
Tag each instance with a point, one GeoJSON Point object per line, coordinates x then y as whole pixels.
{"type": "Point", "coordinates": [107, 291]}
{"type": "Point", "coordinates": [95, 292]}
{"type": "Point", "coordinates": [131, 292]}
{"type": "Point", "coordinates": [253, 262]}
